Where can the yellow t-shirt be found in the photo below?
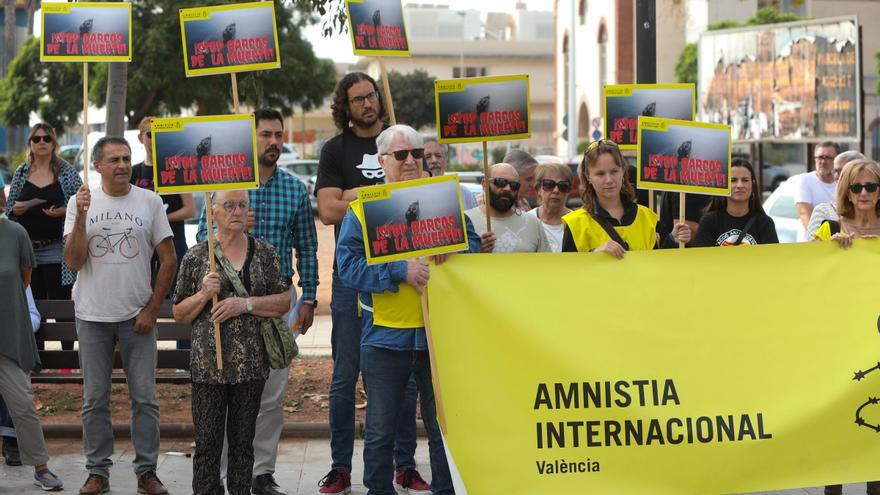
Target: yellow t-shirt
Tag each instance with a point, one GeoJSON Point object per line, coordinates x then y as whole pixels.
{"type": "Point", "coordinates": [588, 234]}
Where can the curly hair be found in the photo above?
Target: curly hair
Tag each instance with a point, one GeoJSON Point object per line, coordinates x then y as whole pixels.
{"type": "Point", "coordinates": [591, 156]}
{"type": "Point", "coordinates": [339, 106]}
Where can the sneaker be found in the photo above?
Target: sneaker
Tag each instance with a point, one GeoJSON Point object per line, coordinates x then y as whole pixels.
{"type": "Point", "coordinates": [47, 480]}
{"type": "Point", "coordinates": [336, 482]}
{"type": "Point", "coordinates": [95, 484]}
{"type": "Point", "coordinates": [410, 481]}
{"type": "Point", "coordinates": [265, 484]}
{"type": "Point", "coordinates": [149, 484]}
{"type": "Point", "coordinates": [10, 451]}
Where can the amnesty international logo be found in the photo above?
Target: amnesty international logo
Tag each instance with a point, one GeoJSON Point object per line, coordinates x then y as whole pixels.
{"type": "Point", "coordinates": [873, 403]}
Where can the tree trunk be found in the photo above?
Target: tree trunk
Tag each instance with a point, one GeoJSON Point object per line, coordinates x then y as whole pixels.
{"type": "Point", "coordinates": [117, 83]}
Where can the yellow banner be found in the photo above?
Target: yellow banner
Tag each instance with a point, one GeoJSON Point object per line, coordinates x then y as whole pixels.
{"type": "Point", "coordinates": [699, 371]}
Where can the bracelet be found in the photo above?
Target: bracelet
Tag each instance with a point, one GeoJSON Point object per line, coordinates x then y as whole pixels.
{"type": "Point", "coordinates": [311, 302]}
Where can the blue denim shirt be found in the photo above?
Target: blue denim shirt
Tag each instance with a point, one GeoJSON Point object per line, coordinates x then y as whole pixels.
{"type": "Point", "coordinates": [354, 272]}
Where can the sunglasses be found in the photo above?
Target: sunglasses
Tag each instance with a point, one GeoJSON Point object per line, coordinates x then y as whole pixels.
{"type": "Point", "coordinates": [871, 187]}
{"type": "Point", "coordinates": [230, 206]}
{"type": "Point", "coordinates": [45, 139]}
{"type": "Point", "coordinates": [563, 185]}
{"type": "Point", "coordinates": [595, 144]}
{"type": "Point", "coordinates": [400, 155]}
{"type": "Point", "coordinates": [501, 183]}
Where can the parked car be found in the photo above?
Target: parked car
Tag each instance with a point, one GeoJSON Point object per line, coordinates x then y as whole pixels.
{"type": "Point", "coordinates": [781, 208]}
{"type": "Point", "coordinates": [301, 169]}
{"type": "Point", "coordinates": [310, 187]}
{"type": "Point", "coordinates": [191, 226]}
{"type": "Point", "coordinates": [288, 152]}
{"type": "Point", "coordinates": [68, 152]}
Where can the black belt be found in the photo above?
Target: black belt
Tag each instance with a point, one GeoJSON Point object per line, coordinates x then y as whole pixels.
{"type": "Point", "coordinates": [39, 244]}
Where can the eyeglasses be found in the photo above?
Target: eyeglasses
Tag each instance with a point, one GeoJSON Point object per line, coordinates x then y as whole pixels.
{"type": "Point", "coordinates": [400, 155]}
{"type": "Point", "coordinates": [501, 183]}
{"type": "Point", "coordinates": [823, 157]}
{"type": "Point", "coordinates": [230, 206]}
{"type": "Point", "coordinates": [359, 100]}
{"type": "Point", "coordinates": [871, 187]}
{"type": "Point", "coordinates": [36, 139]}
{"type": "Point", "coordinates": [563, 185]}
{"type": "Point", "coordinates": [596, 144]}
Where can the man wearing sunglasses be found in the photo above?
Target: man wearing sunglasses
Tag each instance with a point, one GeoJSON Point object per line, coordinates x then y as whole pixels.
{"type": "Point", "coordinates": [512, 231]}
{"type": "Point", "coordinates": [828, 211]}
{"type": "Point", "coordinates": [393, 345]}
{"type": "Point", "coordinates": [817, 187]}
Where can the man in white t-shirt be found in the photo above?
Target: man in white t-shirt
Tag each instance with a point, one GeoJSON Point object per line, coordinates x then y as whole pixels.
{"type": "Point", "coordinates": [111, 233]}
{"type": "Point", "coordinates": [512, 230]}
{"type": "Point", "coordinates": [818, 187]}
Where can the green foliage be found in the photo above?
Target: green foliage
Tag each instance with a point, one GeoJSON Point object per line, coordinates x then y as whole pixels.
{"type": "Point", "coordinates": [686, 66]}
{"type": "Point", "coordinates": [335, 22]}
{"type": "Point", "coordinates": [54, 91]}
{"type": "Point", "coordinates": [582, 146]}
{"type": "Point", "coordinates": [496, 155]}
{"type": "Point", "coordinates": [413, 95]}
{"type": "Point", "coordinates": [157, 84]}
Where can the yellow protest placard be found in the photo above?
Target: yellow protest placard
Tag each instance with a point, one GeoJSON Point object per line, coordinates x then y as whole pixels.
{"type": "Point", "coordinates": [377, 27]}
{"type": "Point", "coordinates": [624, 103]}
{"type": "Point", "coordinates": [85, 32]}
{"type": "Point", "coordinates": [705, 371]}
{"type": "Point", "coordinates": [477, 109]}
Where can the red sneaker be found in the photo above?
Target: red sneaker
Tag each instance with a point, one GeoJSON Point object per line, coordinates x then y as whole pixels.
{"type": "Point", "coordinates": [336, 482]}
{"type": "Point", "coordinates": [410, 481]}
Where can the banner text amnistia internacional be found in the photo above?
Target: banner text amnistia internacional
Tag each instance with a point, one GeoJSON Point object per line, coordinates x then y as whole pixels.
{"type": "Point", "coordinates": [622, 394]}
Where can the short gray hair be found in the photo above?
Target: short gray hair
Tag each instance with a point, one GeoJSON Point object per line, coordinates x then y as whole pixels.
{"type": "Point", "coordinates": [383, 140]}
{"type": "Point", "coordinates": [521, 160]}
{"type": "Point", "coordinates": [433, 139]}
{"type": "Point", "coordinates": [98, 149]}
{"type": "Point", "coordinates": [848, 156]}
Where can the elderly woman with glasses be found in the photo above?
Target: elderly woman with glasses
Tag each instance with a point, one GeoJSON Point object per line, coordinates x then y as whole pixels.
{"type": "Point", "coordinates": [610, 221]}
{"type": "Point", "coordinates": [38, 196]}
{"type": "Point", "coordinates": [553, 181]}
{"type": "Point", "coordinates": [228, 398]}
{"type": "Point", "coordinates": [858, 205]}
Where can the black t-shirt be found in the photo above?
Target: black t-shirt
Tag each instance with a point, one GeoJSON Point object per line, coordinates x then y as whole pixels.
{"type": "Point", "coordinates": [39, 226]}
{"type": "Point", "coordinates": [719, 228]}
{"type": "Point", "coordinates": [142, 176]}
{"type": "Point", "coordinates": [694, 206]}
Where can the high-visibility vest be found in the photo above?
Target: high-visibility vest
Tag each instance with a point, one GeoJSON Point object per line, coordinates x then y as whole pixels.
{"type": "Point", "coordinates": [588, 234]}
{"type": "Point", "coordinates": [401, 309]}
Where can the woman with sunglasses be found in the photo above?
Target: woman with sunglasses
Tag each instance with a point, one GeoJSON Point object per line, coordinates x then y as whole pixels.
{"type": "Point", "coordinates": [553, 183]}
{"type": "Point", "coordinates": [739, 219]}
{"type": "Point", "coordinates": [38, 196]}
{"type": "Point", "coordinates": [250, 289]}
{"type": "Point", "coordinates": [610, 221]}
{"type": "Point", "coordinates": [858, 205]}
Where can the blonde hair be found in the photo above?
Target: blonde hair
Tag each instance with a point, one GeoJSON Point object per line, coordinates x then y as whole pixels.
{"type": "Point", "coordinates": [546, 169]}
{"type": "Point", "coordinates": [845, 207]}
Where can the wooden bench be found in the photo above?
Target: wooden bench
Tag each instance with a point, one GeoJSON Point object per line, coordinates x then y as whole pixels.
{"type": "Point", "coordinates": [172, 365]}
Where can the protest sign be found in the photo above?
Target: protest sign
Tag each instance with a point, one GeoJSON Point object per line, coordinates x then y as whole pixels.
{"type": "Point", "coordinates": [377, 27]}
{"type": "Point", "coordinates": [85, 32]}
{"type": "Point", "coordinates": [624, 103]}
{"type": "Point", "coordinates": [204, 153]}
{"type": "Point", "coordinates": [683, 156]}
{"type": "Point", "coordinates": [414, 218]}
{"type": "Point", "coordinates": [583, 392]}
{"type": "Point", "coordinates": [229, 38]}
{"type": "Point", "coordinates": [482, 109]}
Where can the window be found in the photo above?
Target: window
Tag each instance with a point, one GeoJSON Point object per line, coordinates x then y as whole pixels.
{"type": "Point", "coordinates": [603, 56]}
{"type": "Point", "coordinates": [469, 72]}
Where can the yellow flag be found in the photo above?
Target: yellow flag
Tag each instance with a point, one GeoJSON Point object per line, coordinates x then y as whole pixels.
{"type": "Point", "coordinates": [699, 371]}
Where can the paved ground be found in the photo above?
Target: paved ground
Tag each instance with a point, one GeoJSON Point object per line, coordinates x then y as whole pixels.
{"type": "Point", "coordinates": [301, 464]}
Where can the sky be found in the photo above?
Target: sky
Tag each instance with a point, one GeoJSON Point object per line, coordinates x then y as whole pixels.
{"type": "Point", "coordinates": [338, 47]}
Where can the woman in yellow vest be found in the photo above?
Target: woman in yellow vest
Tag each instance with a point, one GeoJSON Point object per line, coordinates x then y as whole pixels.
{"type": "Point", "coordinates": [610, 221]}
{"type": "Point", "coordinates": [858, 204]}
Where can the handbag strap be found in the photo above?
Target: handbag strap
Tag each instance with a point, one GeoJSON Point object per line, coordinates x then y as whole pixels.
{"type": "Point", "coordinates": [228, 270]}
{"type": "Point", "coordinates": [613, 234]}
{"type": "Point", "coordinates": [745, 230]}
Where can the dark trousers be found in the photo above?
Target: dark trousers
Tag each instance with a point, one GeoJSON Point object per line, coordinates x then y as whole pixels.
{"type": "Point", "coordinates": [46, 284]}
{"type": "Point", "coordinates": [873, 489]}
{"type": "Point", "coordinates": [232, 409]}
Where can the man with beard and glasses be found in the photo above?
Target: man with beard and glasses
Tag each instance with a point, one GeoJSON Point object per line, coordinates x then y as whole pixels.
{"type": "Point", "coordinates": [280, 214]}
{"type": "Point", "coordinates": [512, 231]}
{"type": "Point", "coordinates": [818, 187]}
{"type": "Point", "coordinates": [111, 233]}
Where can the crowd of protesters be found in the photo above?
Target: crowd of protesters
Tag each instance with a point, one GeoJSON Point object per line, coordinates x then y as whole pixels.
{"type": "Point", "coordinates": [237, 411]}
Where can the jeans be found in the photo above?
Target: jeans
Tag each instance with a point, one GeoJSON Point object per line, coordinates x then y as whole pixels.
{"type": "Point", "coordinates": [386, 375]}
{"type": "Point", "coordinates": [96, 350]}
{"type": "Point", "coordinates": [346, 348]}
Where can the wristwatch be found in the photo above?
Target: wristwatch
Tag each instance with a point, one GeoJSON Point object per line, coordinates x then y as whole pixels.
{"type": "Point", "coordinates": [248, 305]}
